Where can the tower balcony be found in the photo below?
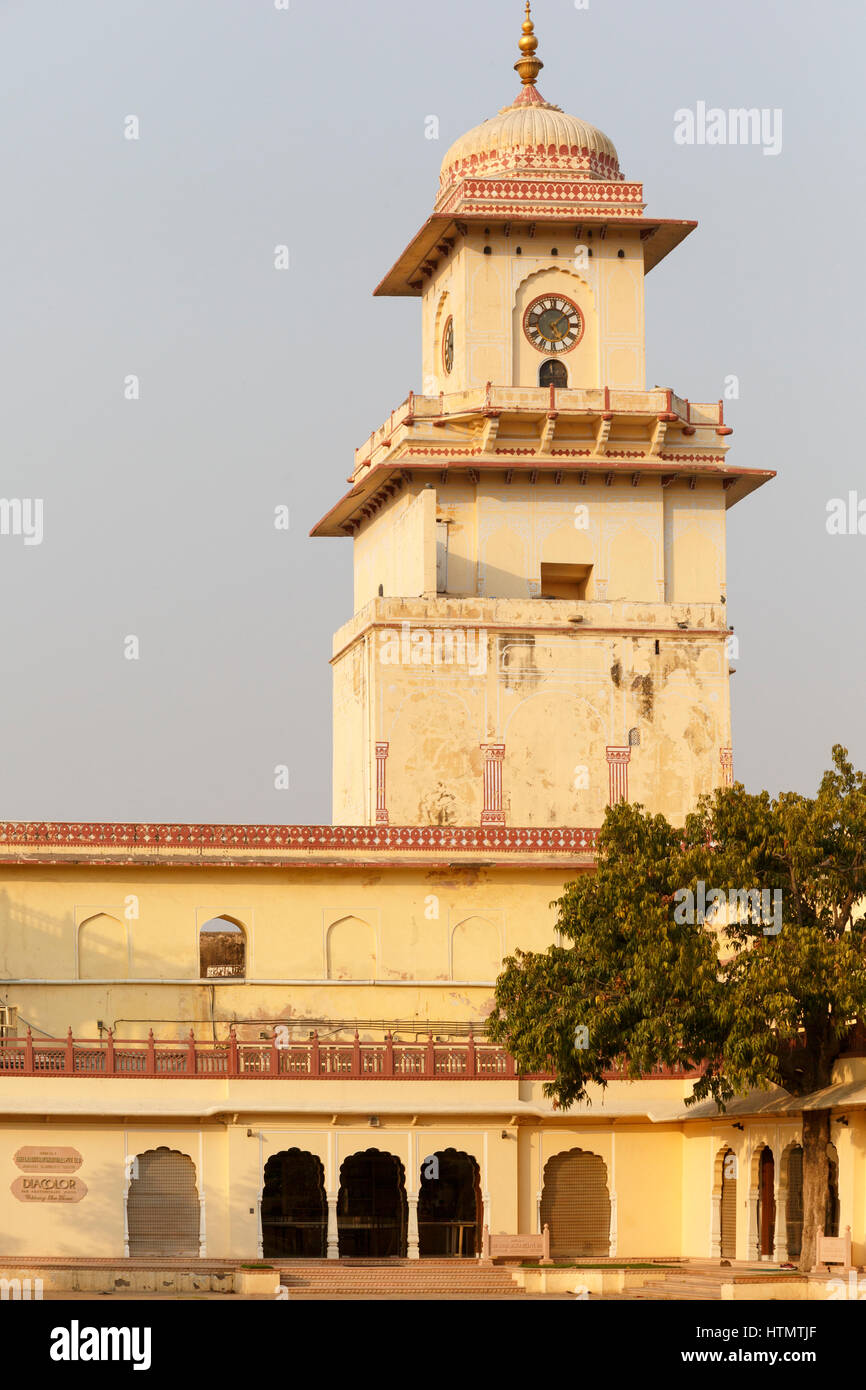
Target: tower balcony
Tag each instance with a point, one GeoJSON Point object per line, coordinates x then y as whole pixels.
{"type": "Point", "coordinates": [550, 432]}
{"type": "Point", "coordinates": [518, 408]}
{"type": "Point", "coordinates": [450, 621]}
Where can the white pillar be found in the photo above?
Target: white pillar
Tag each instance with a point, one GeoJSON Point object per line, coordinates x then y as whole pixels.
{"type": "Point", "coordinates": [614, 1235]}
{"type": "Point", "coordinates": [754, 1246]}
{"type": "Point", "coordinates": [716, 1227]}
{"type": "Point", "coordinates": [780, 1240]}
{"type": "Point", "coordinates": [412, 1250]}
{"type": "Point", "coordinates": [333, 1234]}
{"type": "Point", "coordinates": [202, 1221]}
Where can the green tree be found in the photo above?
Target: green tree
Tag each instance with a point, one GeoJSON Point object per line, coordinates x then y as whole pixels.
{"type": "Point", "coordinates": [762, 992]}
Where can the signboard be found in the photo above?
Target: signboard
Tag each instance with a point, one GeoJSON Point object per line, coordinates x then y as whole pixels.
{"type": "Point", "coordinates": [515, 1245]}
{"type": "Point", "coordinates": [33, 1158]}
{"type": "Point", "coordinates": [48, 1189]}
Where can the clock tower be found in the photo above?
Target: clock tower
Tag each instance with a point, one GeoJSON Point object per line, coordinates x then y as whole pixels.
{"type": "Point", "coordinates": [540, 621]}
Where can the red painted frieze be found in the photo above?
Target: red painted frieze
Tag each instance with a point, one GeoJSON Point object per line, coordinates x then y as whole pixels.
{"type": "Point", "coordinates": [408, 838]}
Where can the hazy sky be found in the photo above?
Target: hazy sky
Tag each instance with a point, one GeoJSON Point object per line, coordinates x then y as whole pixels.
{"type": "Point", "coordinates": [155, 257]}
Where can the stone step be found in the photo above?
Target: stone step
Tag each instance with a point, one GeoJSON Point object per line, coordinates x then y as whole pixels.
{"type": "Point", "coordinates": [399, 1280]}
{"type": "Point", "coordinates": [680, 1288]}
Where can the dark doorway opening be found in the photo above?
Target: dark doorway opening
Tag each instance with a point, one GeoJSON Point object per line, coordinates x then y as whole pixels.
{"type": "Point", "coordinates": [831, 1210]}
{"type": "Point", "coordinates": [294, 1207]}
{"type": "Point", "coordinates": [767, 1202]}
{"type": "Point", "coordinates": [449, 1205]}
{"type": "Point", "coordinates": [552, 373]}
{"type": "Point", "coordinates": [372, 1210]}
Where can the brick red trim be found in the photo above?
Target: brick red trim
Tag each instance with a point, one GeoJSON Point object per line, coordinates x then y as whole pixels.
{"type": "Point", "coordinates": [726, 758]}
{"type": "Point", "coordinates": [407, 838]}
{"type": "Point", "coordinates": [381, 807]}
{"type": "Point", "coordinates": [494, 754]}
{"type": "Point", "coordinates": [618, 760]}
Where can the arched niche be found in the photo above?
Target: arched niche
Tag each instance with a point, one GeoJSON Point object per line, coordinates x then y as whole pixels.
{"type": "Point", "coordinates": [103, 948]}
{"type": "Point", "coordinates": [476, 950]}
{"type": "Point", "coordinates": [351, 949]}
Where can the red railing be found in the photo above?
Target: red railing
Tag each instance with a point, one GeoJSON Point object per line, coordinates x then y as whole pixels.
{"type": "Point", "coordinates": [345, 1061]}
{"type": "Point", "coordinates": [308, 1060]}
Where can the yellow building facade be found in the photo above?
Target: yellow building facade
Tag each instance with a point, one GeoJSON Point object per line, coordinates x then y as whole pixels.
{"type": "Point", "coordinates": [269, 1040]}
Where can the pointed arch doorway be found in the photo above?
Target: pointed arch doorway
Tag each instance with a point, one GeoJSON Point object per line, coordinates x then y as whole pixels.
{"type": "Point", "coordinates": [766, 1204]}
{"type": "Point", "coordinates": [449, 1205]}
{"type": "Point", "coordinates": [163, 1210]}
{"type": "Point", "coordinates": [372, 1210]}
{"type": "Point", "coordinates": [294, 1208]}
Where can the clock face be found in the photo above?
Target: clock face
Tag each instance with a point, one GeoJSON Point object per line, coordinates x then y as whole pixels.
{"type": "Point", "coordinates": [553, 323]}
{"type": "Point", "coordinates": [448, 346]}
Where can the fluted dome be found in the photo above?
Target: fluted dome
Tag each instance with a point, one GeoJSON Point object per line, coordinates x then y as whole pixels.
{"type": "Point", "coordinates": [531, 136]}
{"type": "Point", "coordinates": [533, 157]}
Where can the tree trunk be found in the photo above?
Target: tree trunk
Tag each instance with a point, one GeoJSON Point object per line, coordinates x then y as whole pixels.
{"type": "Point", "coordinates": [816, 1177]}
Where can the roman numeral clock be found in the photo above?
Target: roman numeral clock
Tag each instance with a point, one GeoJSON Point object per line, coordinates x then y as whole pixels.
{"type": "Point", "coordinates": [553, 323]}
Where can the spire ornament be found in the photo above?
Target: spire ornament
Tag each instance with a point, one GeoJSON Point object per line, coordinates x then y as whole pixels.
{"type": "Point", "coordinates": [529, 66]}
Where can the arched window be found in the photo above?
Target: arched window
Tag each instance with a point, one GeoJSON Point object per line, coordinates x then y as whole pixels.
{"type": "Point", "coordinates": [222, 949]}
{"type": "Point", "coordinates": [552, 373]}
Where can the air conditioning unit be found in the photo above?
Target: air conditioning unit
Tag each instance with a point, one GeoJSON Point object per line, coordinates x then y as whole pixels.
{"type": "Point", "coordinates": [8, 1021]}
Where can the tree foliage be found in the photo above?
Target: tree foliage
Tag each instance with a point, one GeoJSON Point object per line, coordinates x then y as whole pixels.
{"type": "Point", "coordinates": [746, 1001]}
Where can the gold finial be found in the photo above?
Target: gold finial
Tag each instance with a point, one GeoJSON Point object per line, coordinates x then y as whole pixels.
{"type": "Point", "coordinates": [529, 66]}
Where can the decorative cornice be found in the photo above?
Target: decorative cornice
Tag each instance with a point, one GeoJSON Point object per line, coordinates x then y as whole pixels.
{"type": "Point", "coordinates": [35, 835]}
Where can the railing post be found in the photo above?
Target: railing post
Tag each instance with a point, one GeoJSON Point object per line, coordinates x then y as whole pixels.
{"type": "Point", "coordinates": [69, 1059]}
{"type": "Point", "coordinates": [150, 1066]}
{"type": "Point", "coordinates": [109, 1054]}
{"type": "Point", "coordinates": [429, 1057]}
{"type": "Point", "coordinates": [510, 1069]}
{"type": "Point", "coordinates": [389, 1055]}
{"type": "Point", "coordinates": [233, 1051]}
{"type": "Point", "coordinates": [470, 1055]}
{"type": "Point", "coordinates": [356, 1057]}
{"type": "Point", "coordinates": [28, 1052]}
{"type": "Point", "coordinates": [315, 1058]}
{"type": "Point", "coordinates": [275, 1057]}
{"type": "Point", "coordinates": [190, 1053]}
